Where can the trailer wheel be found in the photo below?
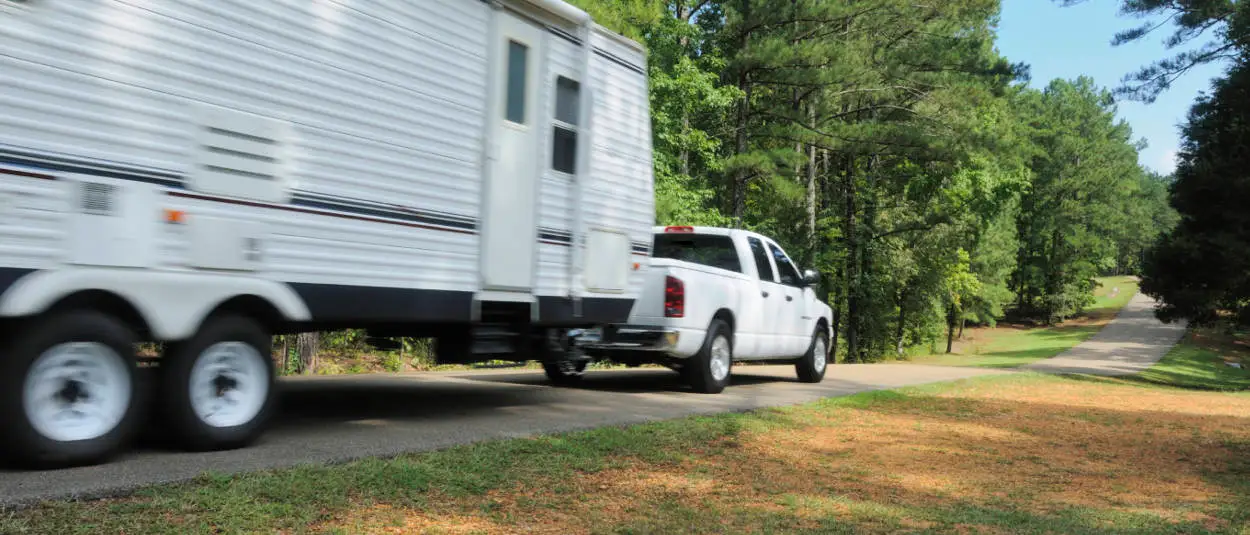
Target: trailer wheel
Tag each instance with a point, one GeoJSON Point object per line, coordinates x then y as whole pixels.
{"type": "Point", "coordinates": [218, 387]}
{"type": "Point", "coordinates": [565, 372]}
{"type": "Point", "coordinates": [68, 390]}
{"type": "Point", "coordinates": [708, 370]}
{"type": "Point", "coordinates": [811, 367]}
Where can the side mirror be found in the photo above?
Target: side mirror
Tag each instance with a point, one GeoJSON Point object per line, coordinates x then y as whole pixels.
{"type": "Point", "coordinates": [811, 277]}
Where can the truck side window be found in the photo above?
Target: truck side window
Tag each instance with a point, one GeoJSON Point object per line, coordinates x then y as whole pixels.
{"type": "Point", "coordinates": [706, 249]}
{"type": "Point", "coordinates": [789, 274]}
{"type": "Point", "coordinates": [761, 260]}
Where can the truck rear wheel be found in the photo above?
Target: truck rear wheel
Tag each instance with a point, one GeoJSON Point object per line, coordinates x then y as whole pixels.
{"type": "Point", "coordinates": [708, 370]}
{"type": "Point", "coordinates": [218, 387]}
{"type": "Point", "coordinates": [68, 390]}
{"type": "Point", "coordinates": [811, 367]}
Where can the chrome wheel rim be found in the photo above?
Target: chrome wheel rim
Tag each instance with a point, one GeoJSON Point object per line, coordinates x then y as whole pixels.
{"type": "Point", "coordinates": [77, 391]}
{"type": "Point", "coordinates": [819, 355]}
{"type": "Point", "coordinates": [229, 384]}
{"type": "Point", "coordinates": [721, 356]}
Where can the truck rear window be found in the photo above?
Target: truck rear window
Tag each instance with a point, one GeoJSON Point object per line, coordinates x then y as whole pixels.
{"type": "Point", "coordinates": [706, 249]}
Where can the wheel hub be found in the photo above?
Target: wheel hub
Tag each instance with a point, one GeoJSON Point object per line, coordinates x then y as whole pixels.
{"type": "Point", "coordinates": [73, 392]}
{"type": "Point", "coordinates": [229, 384]}
{"type": "Point", "coordinates": [76, 391]}
{"type": "Point", "coordinates": [721, 358]}
{"type": "Point", "coordinates": [819, 355]}
{"type": "Point", "coordinates": [223, 384]}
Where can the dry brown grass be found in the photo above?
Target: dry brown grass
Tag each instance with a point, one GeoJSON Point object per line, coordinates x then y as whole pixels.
{"type": "Point", "coordinates": [1036, 447]}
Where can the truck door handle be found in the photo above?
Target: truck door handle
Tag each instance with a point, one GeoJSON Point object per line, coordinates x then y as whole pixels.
{"type": "Point", "coordinates": [764, 293]}
{"type": "Point", "coordinates": [789, 298]}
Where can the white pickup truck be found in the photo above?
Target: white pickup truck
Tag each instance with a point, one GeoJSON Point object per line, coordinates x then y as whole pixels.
{"type": "Point", "coordinates": [716, 296]}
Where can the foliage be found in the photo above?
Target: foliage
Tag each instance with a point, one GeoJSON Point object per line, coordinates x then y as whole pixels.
{"type": "Point", "coordinates": [1084, 173]}
{"type": "Point", "coordinates": [887, 146]}
{"type": "Point", "coordinates": [1201, 269]}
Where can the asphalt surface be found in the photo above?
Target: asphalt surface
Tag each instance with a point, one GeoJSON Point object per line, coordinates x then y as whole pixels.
{"type": "Point", "coordinates": [1132, 342]}
{"type": "Point", "coordinates": [336, 419]}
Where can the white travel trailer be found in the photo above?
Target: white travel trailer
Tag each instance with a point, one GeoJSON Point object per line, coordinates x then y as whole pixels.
{"type": "Point", "coordinates": [208, 173]}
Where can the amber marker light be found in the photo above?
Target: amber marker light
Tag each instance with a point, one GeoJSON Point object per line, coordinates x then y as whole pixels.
{"type": "Point", "coordinates": [175, 216]}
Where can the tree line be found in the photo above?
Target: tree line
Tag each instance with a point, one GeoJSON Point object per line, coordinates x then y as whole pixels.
{"type": "Point", "coordinates": [888, 145]}
{"type": "Point", "coordinates": [1200, 269]}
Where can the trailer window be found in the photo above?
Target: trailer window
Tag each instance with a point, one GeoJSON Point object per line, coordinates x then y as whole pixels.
{"type": "Point", "coordinates": [564, 129]}
{"type": "Point", "coordinates": [517, 59]}
{"type": "Point", "coordinates": [709, 250]}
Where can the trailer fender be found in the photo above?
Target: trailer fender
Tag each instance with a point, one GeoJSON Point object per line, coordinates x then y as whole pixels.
{"type": "Point", "coordinates": [172, 304]}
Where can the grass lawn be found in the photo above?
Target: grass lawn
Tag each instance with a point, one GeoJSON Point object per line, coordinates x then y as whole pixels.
{"type": "Point", "coordinates": [1023, 453]}
{"type": "Point", "coordinates": [1009, 346]}
{"type": "Point", "coordinates": [1200, 362]}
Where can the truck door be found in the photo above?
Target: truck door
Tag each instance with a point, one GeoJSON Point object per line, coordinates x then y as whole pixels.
{"type": "Point", "coordinates": [794, 313]}
{"type": "Point", "coordinates": [510, 185]}
{"type": "Point", "coordinates": [771, 299]}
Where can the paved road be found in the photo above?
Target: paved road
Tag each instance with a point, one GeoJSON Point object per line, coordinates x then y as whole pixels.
{"type": "Point", "coordinates": [332, 419]}
{"type": "Point", "coordinates": [1132, 342]}
{"type": "Point", "coordinates": [329, 419]}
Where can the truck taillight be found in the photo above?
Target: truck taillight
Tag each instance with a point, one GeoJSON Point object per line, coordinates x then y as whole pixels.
{"type": "Point", "coordinates": [679, 229]}
{"type": "Point", "coordinates": [674, 298]}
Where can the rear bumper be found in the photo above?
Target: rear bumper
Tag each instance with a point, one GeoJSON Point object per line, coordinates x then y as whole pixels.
{"type": "Point", "coordinates": [636, 338]}
{"type": "Point", "coordinates": [644, 342]}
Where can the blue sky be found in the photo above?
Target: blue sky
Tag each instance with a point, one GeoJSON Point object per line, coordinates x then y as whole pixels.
{"type": "Point", "coordinates": [1066, 42]}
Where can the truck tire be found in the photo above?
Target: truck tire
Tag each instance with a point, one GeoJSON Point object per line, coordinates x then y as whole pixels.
{"type": "Point", "coordinates": [217, 389]}
{"type": "Point", "coordinates": [565, 372]}
{"type": "Point", "coordinates": [811, 367]}
{"type": "Point", "coordinates": [68, 390]}
{"type": "Point", "coordinates": [708, 370]}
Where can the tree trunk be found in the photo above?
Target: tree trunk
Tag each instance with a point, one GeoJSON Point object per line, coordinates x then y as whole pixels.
{"type": "Point", "coordinates": [811, 184]}
{"type": "Point", "coordinates": [852, 264]}
{"type": "Point", "coordinates": [902, 323]}
{"type": "Point", "coordinates": [950, 330]}
{"type": "Point", "coordinates": [286, 353]}
{"type": "Point", "coordinates": [836, 304]}
{"type": "Point", "coordinates": [744, 117]}
{"type": "Point", "coordinates": [743, 175]}
{"type": "Point", "coordinates": [962, 322]}
{"type": "Point", "coordinates": [306, 345]}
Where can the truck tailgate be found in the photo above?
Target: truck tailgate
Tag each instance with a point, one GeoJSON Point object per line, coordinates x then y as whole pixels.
{"type": "Point", "coordinates": [649, 307]}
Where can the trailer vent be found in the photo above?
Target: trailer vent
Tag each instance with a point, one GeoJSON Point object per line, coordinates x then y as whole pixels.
{"type": "Point", "coordinates": [97, 198]}
{"type": "Point", "coordinates": [240, 155]}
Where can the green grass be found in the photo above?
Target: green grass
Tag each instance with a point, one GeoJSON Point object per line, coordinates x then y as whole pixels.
{"type": "Point", "coordinates": [1198, 362]}
{"type": "Point", "coordinates": [1198, 366]}
{"type": "Point", "coordinates": [292, 499]}
{"type": "Point", "coordinates": [1010, 346]}
{"type": "Point", "coordinates": [1125, 287]}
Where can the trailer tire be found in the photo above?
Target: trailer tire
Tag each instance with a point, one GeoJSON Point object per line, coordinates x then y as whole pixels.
{"type": "Point", "coordinates": [48, 353]}
{"type": "Point", "coordinates": [811, 366]}
{"type": "Point", "coordinates": [708, 371]}
{"type": "Point", "coordinates": [566, 372]}
{"type": "Point", "coordinates": [217, 389]}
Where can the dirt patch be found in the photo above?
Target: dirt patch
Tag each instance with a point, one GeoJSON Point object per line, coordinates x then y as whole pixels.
{"type": "Point", "coordinates": [1040, 450]}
